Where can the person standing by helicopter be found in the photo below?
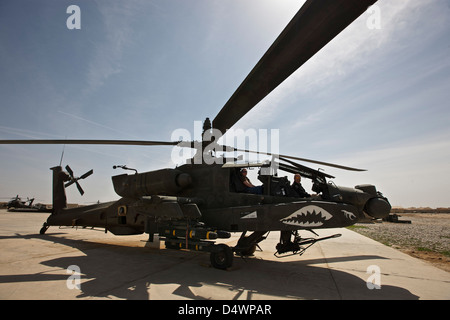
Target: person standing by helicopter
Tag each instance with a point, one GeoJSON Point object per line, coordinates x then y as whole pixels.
{"type": "Point", "coordinates": [298, 188]}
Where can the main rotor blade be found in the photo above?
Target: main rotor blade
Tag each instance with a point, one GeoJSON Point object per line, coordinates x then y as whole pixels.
{"type": "Point", "coordinates": [315, 24]}
{"type": "Point", "coordinates": [104, 142]}
{"type": "Point", "coordinates": [328, 164]}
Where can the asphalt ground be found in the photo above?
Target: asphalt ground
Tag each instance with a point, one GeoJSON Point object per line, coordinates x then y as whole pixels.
{"type": "Point", "coordinates": [70, 263]}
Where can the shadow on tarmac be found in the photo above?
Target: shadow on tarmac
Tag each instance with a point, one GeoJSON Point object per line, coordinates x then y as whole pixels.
{"type": "Point", "coordinates": [126, 272]}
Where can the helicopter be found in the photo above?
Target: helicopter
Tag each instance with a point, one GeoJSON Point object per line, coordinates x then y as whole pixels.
{"type": "Point", "coordinates": [17, 204]}
{"type": "Point", "coordinates": [195, 205]}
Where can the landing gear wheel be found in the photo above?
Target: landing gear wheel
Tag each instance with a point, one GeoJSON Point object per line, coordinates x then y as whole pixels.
{"type": "Point", "coordinates": [222, 258]}
{"type": "Point", "coordinates": [43, 229]}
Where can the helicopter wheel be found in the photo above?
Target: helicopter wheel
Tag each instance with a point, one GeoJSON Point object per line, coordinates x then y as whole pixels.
{"type": "Point", "coordinates": [222, 258]}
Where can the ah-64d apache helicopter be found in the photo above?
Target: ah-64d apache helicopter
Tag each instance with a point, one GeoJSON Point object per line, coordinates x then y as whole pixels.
{"type": "Point", "coordinates": [17, 204]}
{"type": "Point", "coordinates": [198, 202]}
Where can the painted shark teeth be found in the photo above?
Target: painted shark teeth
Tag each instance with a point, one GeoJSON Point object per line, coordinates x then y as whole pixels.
{"type": "Point", "coordinates": [308, 217]}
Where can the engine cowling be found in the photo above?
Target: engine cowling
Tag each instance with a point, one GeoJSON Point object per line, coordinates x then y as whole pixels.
{"type": "Point", "coordinates": [159, 182]}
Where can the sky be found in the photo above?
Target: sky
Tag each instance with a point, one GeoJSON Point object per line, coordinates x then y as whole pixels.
{"type": "Point", "coordinates": [376, 97]}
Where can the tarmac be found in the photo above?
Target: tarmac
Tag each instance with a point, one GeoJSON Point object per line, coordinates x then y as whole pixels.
{"type": "Point", "coordinates": [77, 263]}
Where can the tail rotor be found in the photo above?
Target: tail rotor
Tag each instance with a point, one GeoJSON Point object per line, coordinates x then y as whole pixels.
{"type": "Point", "coordinates": [73, 179]}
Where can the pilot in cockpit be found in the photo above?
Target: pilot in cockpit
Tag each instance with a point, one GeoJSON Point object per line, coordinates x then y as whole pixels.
{"type": "Point", "coordinates": [250, 188]}
{"type": "Point", "coordinates": [298, 188]}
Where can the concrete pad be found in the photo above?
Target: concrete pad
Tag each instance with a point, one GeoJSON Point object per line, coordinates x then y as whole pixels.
{"type": "Point", "coordinates": [34, 266]}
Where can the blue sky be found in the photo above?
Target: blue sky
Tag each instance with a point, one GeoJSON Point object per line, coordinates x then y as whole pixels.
{"type": "Point", "coordinates": [372, 98]}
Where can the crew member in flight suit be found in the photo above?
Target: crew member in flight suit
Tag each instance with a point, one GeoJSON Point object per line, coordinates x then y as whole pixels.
{"type": "Point", "coordinates": [298, 188]}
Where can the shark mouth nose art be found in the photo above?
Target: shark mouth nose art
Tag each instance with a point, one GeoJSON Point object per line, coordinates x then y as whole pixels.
{"type": "Point", "coordinates": [309, 216]}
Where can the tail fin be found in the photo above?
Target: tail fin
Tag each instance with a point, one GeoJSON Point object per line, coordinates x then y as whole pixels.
{"type": "Point", "coordinates": [59, 192]}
